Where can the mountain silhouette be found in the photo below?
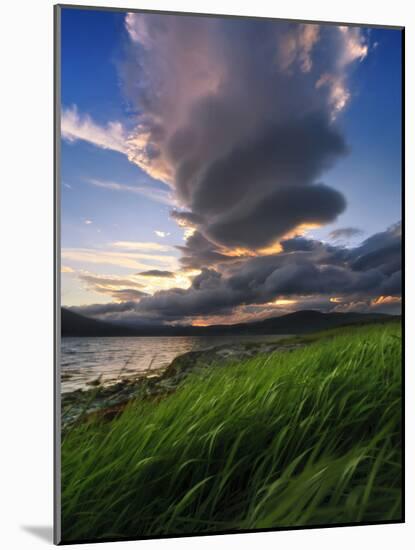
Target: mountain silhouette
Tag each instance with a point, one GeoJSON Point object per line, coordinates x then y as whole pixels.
{"type": "Point", "coordinates": [299, 322]}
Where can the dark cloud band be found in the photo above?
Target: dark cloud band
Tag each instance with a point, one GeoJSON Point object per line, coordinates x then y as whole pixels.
{"type": "Point", "coordinates": [305, 269]}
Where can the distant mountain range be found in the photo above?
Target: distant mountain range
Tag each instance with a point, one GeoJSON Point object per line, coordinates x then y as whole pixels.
{"type": "Point", "coordinates": [300, 322]}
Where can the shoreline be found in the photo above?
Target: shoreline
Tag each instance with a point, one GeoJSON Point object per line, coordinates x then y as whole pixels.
{"type": "Point", "coordinates": [109, 400]}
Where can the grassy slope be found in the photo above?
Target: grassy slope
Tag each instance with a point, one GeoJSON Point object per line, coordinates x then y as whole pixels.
{"type": "Point", "coordinates": [302, 438]}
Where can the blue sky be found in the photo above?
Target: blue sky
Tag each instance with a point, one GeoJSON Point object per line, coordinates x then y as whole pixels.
{"type": "Point", "coordinates": [109, 198]}
{"type": "Point", "coordinates": [91, 43]}
{"type": "Point", "coordinates": [370, 176]}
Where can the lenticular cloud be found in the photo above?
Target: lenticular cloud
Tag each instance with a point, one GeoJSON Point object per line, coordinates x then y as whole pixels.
{"type": "Point", "coordinates": [238, 117]}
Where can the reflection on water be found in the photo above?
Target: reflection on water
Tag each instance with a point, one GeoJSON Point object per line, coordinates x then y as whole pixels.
{"type": "Point", "coordinates": [84, 360]}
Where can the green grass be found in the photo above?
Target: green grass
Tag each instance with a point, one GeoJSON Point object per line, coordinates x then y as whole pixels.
{"type": "Point", "coordinates": [291, 439]}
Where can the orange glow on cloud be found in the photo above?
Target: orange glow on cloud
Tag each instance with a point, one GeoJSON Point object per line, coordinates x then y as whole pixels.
{"type": "Point", "coordinates": [274, 248]}
{"type": "Point", "coordinates": [386, 300]}
{"type": "Point", "coordinates": [238, 252]}
{"type": "Point", "coordinates": [302, 229]}
{"type": "Point", "coordinates": [269, 309]}
{"type": "Point", "coordinates": [199, 323]}
{"type": "Point", "coordinates": [283, 302]}
{"type": "Point", "coordinates": [299, 231]}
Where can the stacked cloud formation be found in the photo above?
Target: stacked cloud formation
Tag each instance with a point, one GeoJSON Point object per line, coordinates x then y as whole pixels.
{"type": "Point", "coordinates": [237, 116]}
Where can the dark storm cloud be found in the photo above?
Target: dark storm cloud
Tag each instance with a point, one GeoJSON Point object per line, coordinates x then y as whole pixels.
{"type": "Point", "coordinates": [259, 223]}
{"type": "Point", "coordinates": [307, 270]}
{"type": "Point", "coordinates": [263, 187]}
{"type": "Point", "coordinates": [238, 117]}
{"type": "Point", "coordinates": [382, 250]}
{"type": "Point", "coordinates": [302, 244]}
{"type": "Point", "coordinates": [157, 273]}
{"type": "Point", "coordinates": [392, 286]}
{"type": "Point", "coordinates": [285, 154]}
{"type": "Point", "coordinates": [200, 252]}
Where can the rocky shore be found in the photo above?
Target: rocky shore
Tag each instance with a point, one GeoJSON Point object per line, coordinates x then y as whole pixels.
{"type": "Point", "coordinates": [107, 401]}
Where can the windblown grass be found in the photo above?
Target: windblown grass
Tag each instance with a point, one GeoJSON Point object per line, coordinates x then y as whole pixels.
{"type": "Point", "coordinates": [291, 439]}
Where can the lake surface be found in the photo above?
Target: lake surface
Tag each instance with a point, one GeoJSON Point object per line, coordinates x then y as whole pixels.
{"type": "Point", "coordinates": [84, 360]}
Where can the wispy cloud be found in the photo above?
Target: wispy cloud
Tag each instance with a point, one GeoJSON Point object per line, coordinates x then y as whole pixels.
{"type": "Point", "coordinates": [109, 280]}
{"type": "Point", "coordinates": [355, 46]}
{"type": "Point", "coordinates": [120, 289]}
{"type": "Point", "coordinates": [132, 287]}
{"type": "Point", "coordinates": [157, 195]}
{"type": "Point", "coordinates": [296, 46]}
{"type": "Point", "coordinates": [352, 47]}
{"type": "Point", "coordinates": [115, 137]}
{"type": "Point", "coordinates": [136, 245]}
{"type": "Point", "coordinates": [75, 126]}
{"type": "Point", "coordinates": [130, 260]}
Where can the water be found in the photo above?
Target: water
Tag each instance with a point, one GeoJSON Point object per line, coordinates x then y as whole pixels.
{"type": "Point", "coordinates": [84, 360]}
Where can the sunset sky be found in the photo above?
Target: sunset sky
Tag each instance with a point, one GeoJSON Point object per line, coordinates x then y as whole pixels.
{"type": "Point", "coordinates": [217, 170]}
